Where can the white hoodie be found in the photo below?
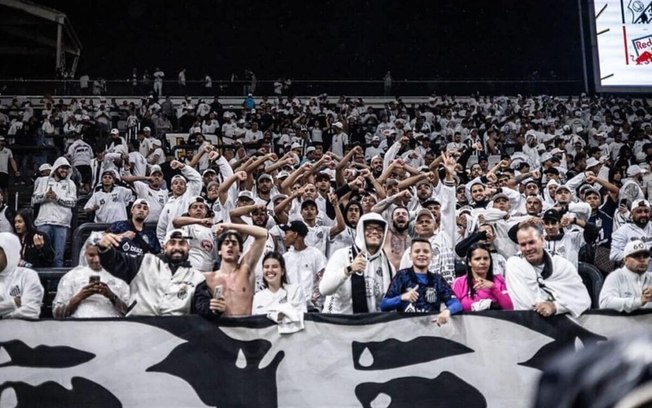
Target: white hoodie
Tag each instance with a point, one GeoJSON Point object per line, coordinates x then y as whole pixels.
{"type": "Point", "coordinates": [59, 211]}
{"type": "Point", "coordinates": [16, 281]}
{"type": "Point", "coordinates": [336, 284]}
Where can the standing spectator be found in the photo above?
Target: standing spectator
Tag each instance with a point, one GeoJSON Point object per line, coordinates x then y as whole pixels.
{"type": "Point", "coordinates": [158, 81]}
{"type": "Point", "coordinates": [57, 196]}
{"type": "Point", "coordinates": [6, 216]}
{"type": "Point", "coordinates": [181, 80]}
{"type": "Point", "coordinates": [80, 155]}
{"type": "Point", "coordinates": [208, 85]}
{"type": "Point", "coordinates": [629, 288]}
{"type": "Point", "coordinates": [152, 191]}
{"type": "Point", "coordinates": [21, 292]}
{"type": "Point", "coordinates": [387, 84]}
{"type": "Point", "coordinates": [356, 278]}
{"type": "Point", "coordinates": [183, 188]}
{"type": "Point", "coordinates": [109, 201]}
{"type": "Point", "coordinates": [35, 251]}
{"type": "Point", "coordinates": [340, 139]}
{"type": "Point", "coordinates": [89, 290]}
{"type": "Point", "coordinates": [6, 158]}
{"type": "Point", "coordinates": [83, 84]}
{"type": "Point", "coordinates": [136, 238]}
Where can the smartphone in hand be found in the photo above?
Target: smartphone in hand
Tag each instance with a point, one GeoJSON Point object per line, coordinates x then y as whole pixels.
{"type": "Point", "coordinates": [94, 279]}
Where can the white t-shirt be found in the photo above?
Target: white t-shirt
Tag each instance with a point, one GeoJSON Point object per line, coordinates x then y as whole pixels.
{"type": "Point", "coordinates": [203, 250]}
{"type": "Point", "coordinates": [302, 268]}
{"type": "Point", "coordinates": [5, 155]}
{"type": "Point", "coordinates": [112, 204]}
{"type": "Point", "coordinates": [155, 198]}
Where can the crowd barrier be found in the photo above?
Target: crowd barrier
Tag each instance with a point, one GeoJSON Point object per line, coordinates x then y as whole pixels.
{"type": "Point", "coordinates": [485, 359]}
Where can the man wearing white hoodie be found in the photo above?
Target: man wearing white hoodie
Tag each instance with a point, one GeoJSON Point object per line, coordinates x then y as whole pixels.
{"type": "Point", "coordinates": [356, 278]}
{"type": "Point", "coordinates": [21, 292]}
{"type": "Point", "coordinates": [57, 196]}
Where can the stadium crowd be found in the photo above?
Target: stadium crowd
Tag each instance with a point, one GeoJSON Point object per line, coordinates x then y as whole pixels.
{"type": "Point", "coordinates": [448, 206]}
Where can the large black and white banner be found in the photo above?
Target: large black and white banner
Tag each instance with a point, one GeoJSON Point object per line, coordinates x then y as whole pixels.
{"type": "Point", "coordinates": [490, 359]}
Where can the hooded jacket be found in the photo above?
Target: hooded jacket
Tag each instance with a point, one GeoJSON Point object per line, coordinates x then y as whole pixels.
{"type": "Point", "coordinates": [59, 211]}
{"type": "Point", "coordinates": [336, 283]}
{"type": "Point", "coordinates": [16, 281]}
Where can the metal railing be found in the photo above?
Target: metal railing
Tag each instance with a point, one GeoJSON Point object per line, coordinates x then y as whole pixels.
{"type": "Point", "coordinates": [298, 87]}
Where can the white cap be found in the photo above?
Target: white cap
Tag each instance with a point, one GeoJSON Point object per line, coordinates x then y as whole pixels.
{"type": "Point", "coordinates": [155, 169]}
{"type": "Point", "coordinates": [44, 166]}
{"type": "Point", "coordinates": [140, 201]}
{"type": "Point", "coordinates": [592, 162]}
{"type": "Point", "coordinates": [246, 194]}
{"type": "Point", "coordinates": [635, 169]}
{"type": "Point", "coordinates": [295, 146]}
{"type": "Point", "coordinates": [338, 125]}
{"type": "Point", "coordinates": [147, 129]}
{"type": "Point", "coordinates": [115, 131]}
{"type": "Point", "coordinates": [635, 247]}
{"type": "Point", "coordinates": [640, 203]}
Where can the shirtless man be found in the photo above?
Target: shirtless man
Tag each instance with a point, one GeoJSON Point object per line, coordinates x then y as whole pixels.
{"type": "Point", "coordinates": [398, 239]}
{"type": "Point", "coordinates": [236, 274]}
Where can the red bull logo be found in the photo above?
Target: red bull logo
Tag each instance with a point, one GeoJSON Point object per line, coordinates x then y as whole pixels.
{"type": "Point", "coordinates": [643, 59]}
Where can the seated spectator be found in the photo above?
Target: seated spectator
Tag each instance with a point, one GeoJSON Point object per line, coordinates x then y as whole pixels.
{"type": "Point", "coordinates": [161, 285]}
{"type": "Point", "coordinates": [480, 289]}
{"type": "Point", "coordinates": [89, 290]}
{"type": "Point", "coordinates": [356, 278]}
{"type": "Point", "coordinates": [629, 288]}
{"type": "Point", "coordinates": [536, 280]}
{"type": "Point", "coordinates": [136, 239]}
{"type": "Point", "coordinates": [21, 292]}
{"type": "Point", "coordinates": [416, 289]}
{"type": "Point", "coordinates": [36, 251]}
{"type": "Point", "coordinates": [282, 302]}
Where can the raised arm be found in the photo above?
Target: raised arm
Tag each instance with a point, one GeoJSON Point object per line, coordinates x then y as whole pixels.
{"type": "Point", "coordinates": [339, 218]}
{"type": "Point", "coordinates": [225, 186]}
{"type": "Point", "coordinates": [259, 234]}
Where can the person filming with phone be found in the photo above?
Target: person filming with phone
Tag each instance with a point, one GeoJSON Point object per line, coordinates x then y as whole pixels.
{"type": "Point", "coordinates": [89, 290]}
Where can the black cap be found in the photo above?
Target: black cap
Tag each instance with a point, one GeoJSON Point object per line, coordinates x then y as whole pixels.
{"type": "Point", "coordinates": [552, 214]}
{"type": "Point", "coordinates": [297, 226]}
{"type": "Point", "coordinates": [306, 203]}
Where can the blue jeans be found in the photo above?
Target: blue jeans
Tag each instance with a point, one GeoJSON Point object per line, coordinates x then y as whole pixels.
{"type": "Point", "coordinates": [57, 235]}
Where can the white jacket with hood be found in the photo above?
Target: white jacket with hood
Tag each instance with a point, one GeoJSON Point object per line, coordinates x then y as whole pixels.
{"type": "Point", "coordinates": [17, 281]}
{"type": "Point", "coordinates": [59, 211]}
{"type": "Point", "coordinates": [336, 284]}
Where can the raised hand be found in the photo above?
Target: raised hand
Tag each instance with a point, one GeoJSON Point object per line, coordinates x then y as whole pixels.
{"type": "Point", "coordinates": [411, 295]}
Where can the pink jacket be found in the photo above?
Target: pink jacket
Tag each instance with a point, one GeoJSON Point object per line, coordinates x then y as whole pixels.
{"type": "Point", "coordinates": [497, 293]}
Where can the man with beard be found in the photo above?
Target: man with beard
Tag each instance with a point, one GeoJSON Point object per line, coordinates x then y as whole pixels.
{"type": "Point", "coordinates": [533, 205]}
{"type": "Point", "coordinates": [196, 224]}
{"type": "Point", "coordinates": [398, 239]}
{"type": "Point", "coordinates": [536, 280]}
{"type": "Point", "coordinates": [264, 188]}
{"type": "Point", "coordinates": [136, 239]}
{"type": "Point", "coordinates": [478, 195]}
{"type": "Point", "coordinates": [236, 274]}
{"type": "Point", "coordinates": [629, 288]}
{"type": "Point", "coordinates": [638, 228]}
{"type": "Point", "coordinates": [564, 238]}
{"type": "Point", "coordinates": [356, 278]}
{"type": "Point", "coordinates": [373, 152]}
{"type": "Point", "coordinates": [183, 188]}
{"type": "Point", "coordinates": [161, 285]}
{"type": "Point", "coordinates": [152, 191]}
{"type": "Point", "coordinates": [90, 291]}
{"type": "Point", "coordinates": [57, 196]}
{"type": "Point", "coordinates": [259, 216]}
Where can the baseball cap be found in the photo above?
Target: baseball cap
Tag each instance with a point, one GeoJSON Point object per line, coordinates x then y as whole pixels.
{"type": "Point", "coordinates": [338, 125]}
{"type": "Point", "coordinates": [500, 195]}
{"type": "Point", "coordinates": [563, 187]}
{"type": "Point", "coordinates": [115, 131]}
{"type": "Point", "coordinates": [178, 177]}
{"type": "Point", "coordinates": [208, 171]}
{"type": "Point", "coordinates": [147, 129]}
{"type": "Point", "coordinates": [552, 214]}
{"type": "Point", "coordinates": [635, 247]}
{"type": "Point", "coordinates": [425, 212]}
{"type": "Point", "coordinates": [246, 194]}
{"type": "Point", "coordinates": [279, 197]}
{"type": "Point", "coordinates": [282, 174]}
{"type": "Point", "coordinates": [310, 149]}
{"type": "Point", "coordinates": [297, 226]}
{"type": "Point", "coordinates": [306, 203]}
{"type": "Point", "coordinates": [44, 166]}
{"type": "Point", "coordinates": [155, 169]}
{"type": "Point", "coordinates": [375, 139]}
{"type": "Point", "coordinates": [140, 201]}
{"type": "Point", "coordinates": [197, 199]}
{"type": "Point", "coordinates": [640, 203]}
{"type": "Point", "coordinates": [592, 162]}
{"type": "Point", "coordinates": [635, 169]}
{"type": "Point", "coordinates": [295, 146]}
{"type": "Point", "coordinates": [265, 176]}
{"type": "Point", "coordinates": [175, 234]}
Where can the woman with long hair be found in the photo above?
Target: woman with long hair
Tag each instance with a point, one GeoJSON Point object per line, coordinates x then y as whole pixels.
{"type": "Point", "coordinates": [282, 302]}
{"type": "Point", "coordinates": [35, 251]}
{"type": "Point", "coordinates": [480, 289]}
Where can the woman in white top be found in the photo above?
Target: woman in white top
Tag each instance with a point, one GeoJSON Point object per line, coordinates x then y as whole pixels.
{"type": "Point", "coordinates": [281, 301]}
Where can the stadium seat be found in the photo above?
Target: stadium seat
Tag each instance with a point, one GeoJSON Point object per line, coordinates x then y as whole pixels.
{"type": "Point", "coordinates": [593, 280]}
{"type": "Point", "coordinates": [50, 278]}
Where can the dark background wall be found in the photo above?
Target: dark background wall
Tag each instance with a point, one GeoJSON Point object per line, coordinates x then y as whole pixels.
{"type": "Point", "coordinates": [420, 39]}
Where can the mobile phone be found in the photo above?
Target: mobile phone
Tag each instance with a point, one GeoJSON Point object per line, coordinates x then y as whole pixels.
{"type": "Point", "coordinates": [218, 292]}
{"type": "Point", "coordinates": [94, 279]}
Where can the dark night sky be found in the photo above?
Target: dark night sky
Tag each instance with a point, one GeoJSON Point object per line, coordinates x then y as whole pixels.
{"type": "Point", "coordinates": [353, 39]}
